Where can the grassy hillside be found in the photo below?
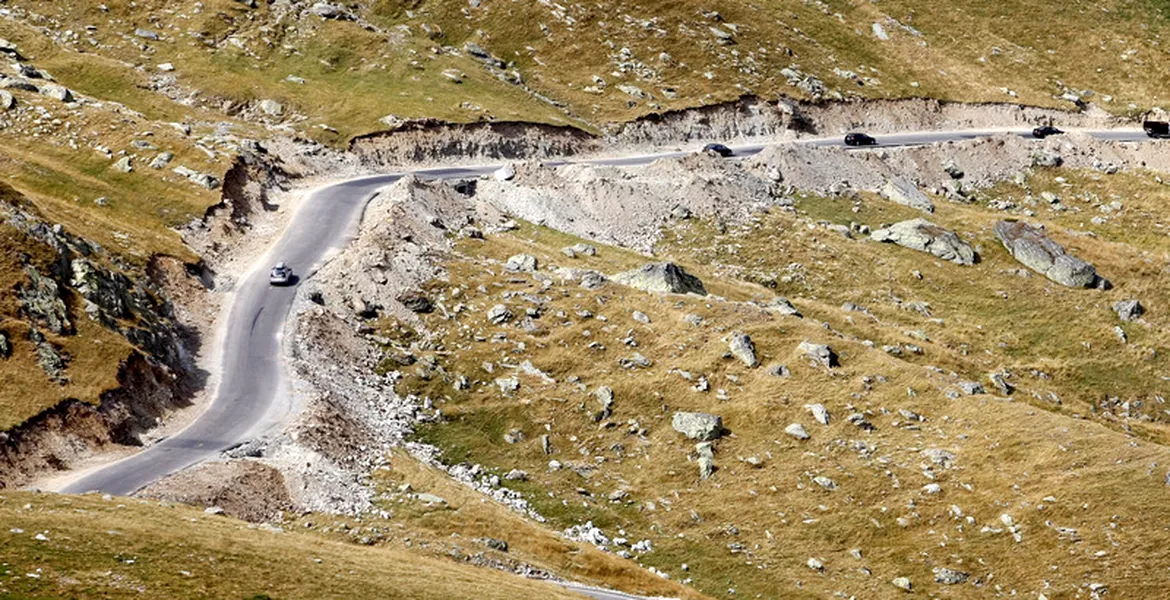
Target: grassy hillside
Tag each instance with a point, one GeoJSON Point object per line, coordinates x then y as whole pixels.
{"type": "Point", "coordinates": [1085, 425]}
{"type": "Point", "coordinates": [85, 547]}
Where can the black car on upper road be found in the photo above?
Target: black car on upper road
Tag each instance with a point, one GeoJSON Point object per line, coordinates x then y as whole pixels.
{"type": "Point", "coordinates": [1045, 131]}
{"type": "Point", "coordinates": [1157, 129]}
{"type": "Point", "coordinates": [719, 149]}
{"type": "Point", "coordinates": [859, 139]}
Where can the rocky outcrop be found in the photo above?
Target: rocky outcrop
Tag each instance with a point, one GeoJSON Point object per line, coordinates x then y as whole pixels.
{"type": "Point", "coordinates": [430, 140]}
{"type": "Point", "coordinates": [924, 236]}
{"type": "Point", "coordinates": [662, 278]}
{"type": "Point", "coordinates": [1035, 250]}
{"type": "Point", "coordinates": [68, 281]}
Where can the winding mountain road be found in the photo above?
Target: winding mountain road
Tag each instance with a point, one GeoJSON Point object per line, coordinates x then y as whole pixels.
{"type": "Point", "coordinates": [252, 375]}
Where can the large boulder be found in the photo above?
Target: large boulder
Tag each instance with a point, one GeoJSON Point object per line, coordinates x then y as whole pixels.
{"type": "Point", "coordinates": [1032, 247]}
{"type": "Point", "coordinates": [697, 425]}
{"type": "Point", "coordinates": [907, 194]}
{"type": "Point", "coordinates": [924, 236]}
{"type": "Point", "coordinates": [662, 278]}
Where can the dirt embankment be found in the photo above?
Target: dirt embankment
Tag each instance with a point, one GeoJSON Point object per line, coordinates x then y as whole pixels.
{"type": "Point", "coordinates": [429, 141]}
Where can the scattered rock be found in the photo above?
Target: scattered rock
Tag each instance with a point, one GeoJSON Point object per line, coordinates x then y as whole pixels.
{"type": "Point", "coordinates": [416, 302]}
{"type": "Point", "coordinates": [499, 314]}
{"type": "Point", "coordinates": [697, 425]}
{"type": "Point", "coordinates": [999, 380]}
{"type": "Point", "coordinates": [819, 412]}
{"type": "Point", "coordinates": [432, 499]}
{"type": "Point", "coordinates": [579, 250]}
{"type": "Point", "coordinates": [783, 306]}
{"type": "Point", "coordinates": [825, 482]}
{"type": "Point", "coordinates": [640, 317]}
{"type": "Point", "coordinates": [521, 262]}
{"type": "Point", "coordinates": [494, 544]}
{"type": "Point", "coordinates": [815, 565]}
{"type": "Point", "coordinates": [504, 173]}
{"type": "Point", "coordinates": [820, 353]}
{"type": "Point", "coordinates": [7, 100]}
{"type": "Point", "coordinates": [902, 583]}
{"type": "Point", "coordinates": [213, 510]}
{"type": "Point", "coordinates": [1032, 247]}
{"type": "Point", "coordinates": [797, 431]}
{"type": "Point", "coordinates": [924, 236]}
{"type": "Point", "coordinates": [1129, 310]}
{"type": "Point", "coordinates": [947, 576]}
{"type": "Point", "coordinates": [741, 347]}
{"type": "Point", "coordinates": [123, 165]}
{"type": "Point", "coordinates": [905, 193]}
{"type": "Point", "coordinates": [56, 92]}
{"type": "Point", "coordinates": [271, 108]}
{"type": "Point", "coordinates": [706, 459]}
{"type": "Point", "coordinates": [162, 160]}
{"type": "Point", "coordinates": [662, 278]}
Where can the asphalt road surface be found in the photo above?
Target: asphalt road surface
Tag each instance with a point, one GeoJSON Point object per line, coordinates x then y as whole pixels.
{"type": "Point", "coordinates": [252, 375]}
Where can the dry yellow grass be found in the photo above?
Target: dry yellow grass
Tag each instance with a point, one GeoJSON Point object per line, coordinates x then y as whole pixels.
{"type": "Point", "coordinates": [125, 548]}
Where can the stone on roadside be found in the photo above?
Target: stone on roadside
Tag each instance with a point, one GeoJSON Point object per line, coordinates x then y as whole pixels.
{"type": "Point", "coordinates": [1032, 247]}
{"type": "Point", "coordinates": [697, 425]}
{"type": "Point", "coordinates": [661, 278]}
{"type": "Point", "coordinates": [901, 191]}
{"type": "Point", "coordinates": [924, 236]}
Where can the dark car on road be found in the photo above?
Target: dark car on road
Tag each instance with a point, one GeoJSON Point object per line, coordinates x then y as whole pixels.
{"type": "Point", "coordinates": [1157, 129]}
{"type": "Point", "coordinates": [859, 139]}
{"type": "Point", "coordinates": [1045, 131]}
{"type": "Point", "coordinates": [719, 149]}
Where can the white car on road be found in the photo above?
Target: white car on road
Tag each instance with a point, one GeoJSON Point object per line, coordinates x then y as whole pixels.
{"type": "Point", "coordinates": [281, 274]}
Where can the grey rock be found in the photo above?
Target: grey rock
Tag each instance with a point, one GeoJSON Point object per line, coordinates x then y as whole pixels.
{"type": "Point", "coordinates": [271, 108]}
{"type": "Point", "coordinates": [902, 583]}
{"type": "Point", "coordinates": [634, 361]}
{"type": "Point", "coordinates": [797, 431]}
{"type": "Point", "coordinates": [741, 347]}
{"type": "Point", "coordinates": [162, 160]}
{"type": "Point", "coordinates": [499, 314]}
{"type": "Point", "coordinates": [783, 306]}
{"type": "Point", "coordinates": [662, 278]}
{"type": "Point", "coordinates": [697, 425]}
{"type": "Point", "coordinates": [592, 280]}
{"type": "Point", "coordinates": [16, 83]}
{"type": "Point", "coordinates": [426, 498]}
{"type": "Point", "coordinates": [1032, 247]}
{"type": "Point", "coordinates": [819, 412]}
{"type": "Point", "coordinates": [971, 387]}
{"type": "Point", "coordinates": [124, 165]}
{"type": "Point", "coordinates": [1047, 158]}
{"type": "Point", "coordinates": [5, 345]}
{"type": "Point", "coordinates": [999, 380]}
{"type": "Point", "coordinates": [56, 92]}
{"type": "Point", "coordinates": [213, 510]}
{"type": "Point", "coordinates": [947, 576]}
{"type": "Point", "coordinates": [825, 482]}
{"type": "Point", "coordinates": [579, 250]}
{"type": "Point", "coordinates": [494, 543]}
{"type": "Point", "coordinates": [416, 302]}
{"type": "Point", "coordinates": [328, 10]}
{"type": "Point", "coordinates": [706, 459]}
{"type": "Point", "coordinates": [146, 34]}
{"type": "Point", "coordinates": [779, 371]}
{"type": "Point", "coordinates": [50, 358]}
{"type": "Point", "coordinates": [604, 396]}
{"type": "Point", "coordinates": [7, 100]}
{"type": "Point", "coordinates": [905, 193]}
{"type": "Point", "coordinates": [640, 317]}
{"type": "Point", "coordinates": [1129, 310]}
{"type": "Point", "coordinates": [924, 236]}
{"type": "Point", "coordinates": [820, 353]}
{"type": "Point", "coordinates": [521, 262]}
